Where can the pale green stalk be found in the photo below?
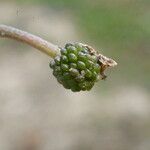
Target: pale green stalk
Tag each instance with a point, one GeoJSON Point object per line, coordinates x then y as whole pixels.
{"type": "Point", "coordinates": [32, 40]}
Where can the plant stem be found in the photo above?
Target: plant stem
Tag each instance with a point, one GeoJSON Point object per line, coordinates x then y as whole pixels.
{"type": "Point", "coordinates": [32, 40]}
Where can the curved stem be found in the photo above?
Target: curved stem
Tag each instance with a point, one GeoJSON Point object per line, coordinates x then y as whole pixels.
{"type": "Point", "coordinates": [32, 40]}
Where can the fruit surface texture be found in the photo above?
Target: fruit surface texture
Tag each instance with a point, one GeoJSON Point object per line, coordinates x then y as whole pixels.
{"type": "Point", "coordinates": [76, 68]}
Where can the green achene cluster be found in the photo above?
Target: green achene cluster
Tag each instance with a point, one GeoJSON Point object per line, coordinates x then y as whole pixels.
{"type": "Point", "coordinates": [76, 68]}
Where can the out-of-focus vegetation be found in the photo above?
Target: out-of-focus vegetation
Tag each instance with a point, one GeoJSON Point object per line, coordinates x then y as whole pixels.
{"type": "Point", "coordinates": [37, 113]}
{"type": "Point", "coordinates": [119, 27]}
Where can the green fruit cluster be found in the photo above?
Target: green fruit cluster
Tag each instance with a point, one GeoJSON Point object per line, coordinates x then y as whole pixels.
{"type": "Point", "coordinates": [76, 68]}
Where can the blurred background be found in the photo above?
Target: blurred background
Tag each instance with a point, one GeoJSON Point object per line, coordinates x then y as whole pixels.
{"type": "Point", "coordinates": [36, 113]}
